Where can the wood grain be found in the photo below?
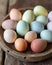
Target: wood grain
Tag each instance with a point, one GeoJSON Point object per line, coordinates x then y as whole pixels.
{"type": "Point", "coordinates": [3, 7]}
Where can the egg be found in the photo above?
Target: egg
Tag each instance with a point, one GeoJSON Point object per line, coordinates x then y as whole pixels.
{"type": "Point", "coordinates": [46, 35]}
{"type": "Point", "coordinates": [49, 26]}
{"type": "Point", "coordinates": [36, 26]}
{"type": "Point", "coordinates": [38, 45]}
{"type": "Point", "coordinates": [50, 16]}
{"type": "Point", "coordinates": [30, 36]}
{"type": "Point", "coordinates": [20, 44]}
{"type": "Point", "coordinates": [40, 10]}
{"type": "Point", "coordinates": [42, 19]}
{"type": "Point", "coordinates": [15, 14]}
{"type": "Point", "coordinates": [9, 36]}
{"type": "Point", "coordinates": [9, 24]}
{"type": "Point", "coordinates": [28, 16]}
{"type": "Point", "coordinates": [22, 27]}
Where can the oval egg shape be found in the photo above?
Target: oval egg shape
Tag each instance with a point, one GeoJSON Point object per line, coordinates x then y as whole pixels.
{"type": "Point", "coordinates": [15, 14]}
{"type": "Point", "coordinates": [22, 27]}
{"type": "Point", "coordinates": [9, 36]}
{"type": "Point", "coordinates": [28, 16]}
{"type": "Point", "coordinates": [36, 26]}
{"type": "Point", "coordinates": [46, 35]}
{"type": "Point", "coordinates": [40, 10]}
{"type": "Point", "coordinates": [42, 19]}
{"type": "Point", "coordinates": [49, 26]}
{"type": "Point", "coordinates": [38, 45]}
{"type": "Point", "coordinates": [9, 24]}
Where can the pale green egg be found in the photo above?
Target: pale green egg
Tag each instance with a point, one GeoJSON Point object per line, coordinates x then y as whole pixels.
{"type": "Point", "coordinates": [40, 10]}
{"type": "Point", "coordinates": [42, 19]}
{"type": "Point", "coordinates": [22, 27]}
{"type": "Point", "coordinates": [28, 16]}
{"type": "Point", "coordinates": [46, 35]}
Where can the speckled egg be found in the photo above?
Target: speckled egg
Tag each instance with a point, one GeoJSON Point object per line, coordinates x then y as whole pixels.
{"type": "Point", "coordinates": [36, 26]}
{"type": "Point", "coordinates": [46, 35]}
{"type": "Point", "coordinates": [9, 36]}
{"type": "Point", "coordinates": [40, 10]}
{"type": "Point", "coordinates": [15, 14]}
{"type": "Point", "coordinates": [22, 27]}
{"type": "Point", "coordinates": [20, 44]}
{"type": "Point", "coordinates": [50, 16]}
{"type": "Point", "coordinates": [42, 19]}
{"type": "Point", "coordinates": [49, 26]}
{"type": "Point", "coordinates": [30, 36]}
{"type": "Point", "coordinates": [9, 24]}
{"type": "Point", "coordinates": [38, 45]}
{"type": "Point", "coordinates": [28, 16]}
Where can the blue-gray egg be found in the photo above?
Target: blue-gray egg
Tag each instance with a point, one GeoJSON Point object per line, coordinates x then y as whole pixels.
{"type": "Point", "coordinates": [22, 27]}
{"type": "Point", "coordinates": [42, 19]}
{"type": "Point", "coordinates": [46, 35]}
{"type": "Point", "coordinates": [37, 26]}
{"type": "Point", "coordinates": [28, 16]}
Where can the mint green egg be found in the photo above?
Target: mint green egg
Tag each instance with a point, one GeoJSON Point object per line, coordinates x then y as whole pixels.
{"type": "Point", "coordinates": [46, 35]}
{"type": "Point", "coordinates": [22, 27]}
{"type": "Point", "coordinates": [28, 16]}
{"type": "Point", "coordinates": [42, 19]}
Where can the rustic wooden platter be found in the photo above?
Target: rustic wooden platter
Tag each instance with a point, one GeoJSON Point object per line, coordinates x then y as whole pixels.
{"type": "Point", "coordinates": [27, 56]}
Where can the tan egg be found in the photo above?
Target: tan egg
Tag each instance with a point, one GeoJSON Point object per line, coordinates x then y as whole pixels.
{"type": "Point", "coordinates": [15, 14]}
{"type": "Point", "coordinates": [20, 44]}
{"type": "Point", "coordinates": [9, 24]}
{"type": "Point", "coordinates": [9, 36]}
{"type": "Point", "coordinates": [38, 45]}
{"type": "Point", "coordinates": [30, 36]}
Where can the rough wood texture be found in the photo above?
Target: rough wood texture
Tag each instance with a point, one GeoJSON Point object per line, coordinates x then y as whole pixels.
{"type": "Point", "coordinates": [9, 60]}
{"type": "Point", "coordinates": [3, 6]}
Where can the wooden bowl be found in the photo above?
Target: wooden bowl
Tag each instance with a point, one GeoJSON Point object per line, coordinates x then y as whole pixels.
{"type": "Point", "coordinates": [27, 56]}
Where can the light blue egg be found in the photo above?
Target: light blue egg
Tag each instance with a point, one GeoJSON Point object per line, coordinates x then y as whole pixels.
{"type": "Point", "coordinates": [42, 19]}
{"type": "Point", "coordinates": [37, 26]}
{"type": "Point", "coordinates": [22, 27]}
{"type": "Point", "coordinates": [46, 35]}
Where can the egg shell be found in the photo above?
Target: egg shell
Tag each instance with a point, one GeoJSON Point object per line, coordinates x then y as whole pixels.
{"type": "Point", "coordinates": [28, 16]}
{"type": "Point", "coordinates": [15, 14]}
{"type": "Point", "coordinates": [40, 10]}
{"type": "Point", "coordinates": [9, 24]}
{"type": "Point", "coordinates": [20, 44]}
{"type": "Point", "coordinates": [49, 26]}
{"type": "Point", "coordinates": [50, 16]}
{"type": "Point", "coordinates": [38, 45]}
{"type": "Point", "coordinates": [22, 27]}
{"type": "Point", "coordinates": [46, 35]}
{"type": "Point", "coordinates": [42, 19]}
{"type": "Point", "coordinates": [9, 36]}
{"type": "Point", "coordinates": [37, 26]}
{"type": "Point", "coordinates": [30, 36]}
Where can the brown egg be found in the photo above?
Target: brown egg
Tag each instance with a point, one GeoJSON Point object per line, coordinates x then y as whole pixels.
{"type": "Point", "coordinates": [30, 36]}
{"type": "Point", "coordinates": [38, 45]}
{"type": "Point", "coordinates": [20, 44]}
{"type": "Point", "coordinates": [15, 14]}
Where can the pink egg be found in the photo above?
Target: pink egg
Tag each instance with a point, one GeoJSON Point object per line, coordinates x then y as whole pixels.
{"type": "Point", "coordinates": [15, 14]}
{"type": "Point", "coordinates": [38, 45]}
{"type": "Point", "coordinates": [50, 16]}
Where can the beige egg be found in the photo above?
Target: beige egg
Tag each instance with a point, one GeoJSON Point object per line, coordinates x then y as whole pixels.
{"type": "Point", "coordinates": [9, 24]}
{"type": "Point", "coordinates": [9, 36]}
{"type": "Point", "coordinates": [30, 36]}
{"type": "Point", "coordinates": [15, 14]}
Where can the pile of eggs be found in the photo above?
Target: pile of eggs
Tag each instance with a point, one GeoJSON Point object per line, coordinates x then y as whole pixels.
{"type": "Point", "coordinates": [31, 29]}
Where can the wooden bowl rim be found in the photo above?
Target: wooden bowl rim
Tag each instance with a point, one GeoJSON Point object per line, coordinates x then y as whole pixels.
{"type": "Point", "coordinates": [22, 55]}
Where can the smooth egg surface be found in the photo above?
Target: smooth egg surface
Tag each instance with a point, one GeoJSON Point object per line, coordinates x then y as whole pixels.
{"type": "Point", "coordinates": [9, 36]}
{"type": "Point", "coordinates": [46, 35]}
